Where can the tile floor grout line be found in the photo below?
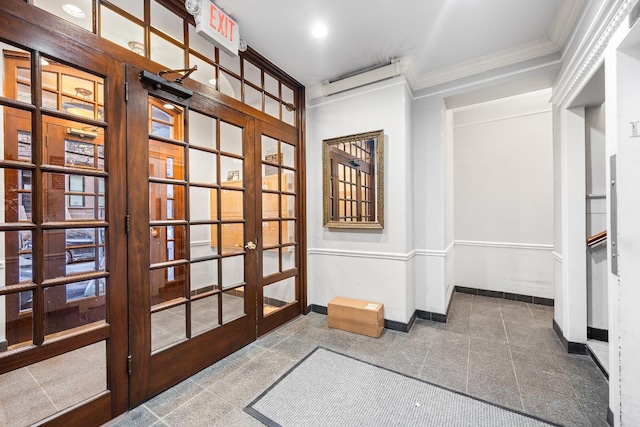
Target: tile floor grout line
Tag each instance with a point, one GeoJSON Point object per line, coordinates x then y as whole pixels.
{"type": "Point", "coordinates": [513, 365]}
{"type": "Point", "coordinates": [42, 388]}
{"type": "Point", "coordinates": [181, 405]}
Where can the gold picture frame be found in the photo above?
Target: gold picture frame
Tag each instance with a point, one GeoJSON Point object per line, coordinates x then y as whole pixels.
{"type": "Point", "coordinates": [353, 181]}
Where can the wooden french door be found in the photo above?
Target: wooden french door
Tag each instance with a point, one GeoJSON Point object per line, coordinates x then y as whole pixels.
{"type": "Point", "coordinates": [277, 207]}
{"type": "Point", "coordinates": [192, 235]}
{"type": "Point", "coordinates": [62, 240]}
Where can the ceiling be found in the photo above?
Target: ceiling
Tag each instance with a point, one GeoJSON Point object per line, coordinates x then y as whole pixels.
{"type": "Point", "coordinates": [438, 41]}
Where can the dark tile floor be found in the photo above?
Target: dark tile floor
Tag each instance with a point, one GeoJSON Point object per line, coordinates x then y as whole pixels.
{"type": "Point", "coordinates": [501, 351]}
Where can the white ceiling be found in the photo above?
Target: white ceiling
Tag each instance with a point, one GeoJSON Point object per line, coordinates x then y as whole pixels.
{"type": "Point", "coordinates": [441, 40]}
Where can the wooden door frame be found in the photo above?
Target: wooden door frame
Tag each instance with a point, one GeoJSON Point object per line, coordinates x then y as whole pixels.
{"type": "Point", "coordinates": [268, 323]}
{"type": "Point", "coordinates": [42, 33]}
{"type": "Point", "coordinates": [190, 356]}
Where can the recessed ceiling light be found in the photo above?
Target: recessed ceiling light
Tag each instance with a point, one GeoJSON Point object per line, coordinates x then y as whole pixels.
{"type": "Point", "coordinates": [213, 82]}
{"type": "Point", "coordinates": [169, 106]}
{"type": "Point", "coordinates": [74, 10]}
{"type": "Point", "coordinates": [319, 30]}
{"type": "Point", "coordinates": [136, 47]}
{"type": "Point", "coordinates": [43, 61]}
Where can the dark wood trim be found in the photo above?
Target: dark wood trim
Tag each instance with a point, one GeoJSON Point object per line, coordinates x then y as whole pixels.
{"type": "Point", "coordinates": [571, 347]}
{"type": "Point", "coordinates": [32, 354]}
{"type": "Point", "coordinates": [505, 295]}
{"type": "Point", "coordinates": [94, 411]}
{"type": "Point", "coordinates": [597, 334]}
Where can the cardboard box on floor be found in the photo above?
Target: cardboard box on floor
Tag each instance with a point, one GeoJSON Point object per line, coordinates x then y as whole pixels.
{"type": "Point", "coordinates": [352, 315]}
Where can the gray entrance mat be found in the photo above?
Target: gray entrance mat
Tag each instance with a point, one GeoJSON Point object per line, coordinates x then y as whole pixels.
{"type": "Point", "coordinates": [330, 389]}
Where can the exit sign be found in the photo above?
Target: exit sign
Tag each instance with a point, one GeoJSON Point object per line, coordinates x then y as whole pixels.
{"type": "Point", "coordinates": [218, 27]}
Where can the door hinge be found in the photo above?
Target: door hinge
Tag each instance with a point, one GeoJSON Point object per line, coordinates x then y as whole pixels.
{"type": "Point", "coordinates": [126, 91]}
{"type": "Point", "coordinates": [129, 365]}
{"type": "Point", "coordinates": [127, 221]}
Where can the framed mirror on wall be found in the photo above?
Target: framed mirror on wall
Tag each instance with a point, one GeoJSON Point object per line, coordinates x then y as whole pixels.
{"type": "Point", "coordinates": [353, 181]}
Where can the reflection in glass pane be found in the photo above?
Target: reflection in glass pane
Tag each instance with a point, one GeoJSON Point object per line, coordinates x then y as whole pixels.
{"type": "Point", "coordinates": [270, 178]}
{"type": "Point", "coordinates": [252, 73]}
{"type": "Point", "coordinates": [206, 72]}
{"type": "Point", "coordinates": [63, 305]}
{"type": "Point", "coordinates": [22, 90]}
{"type": "Point", "coordinates": [167, 243]}
{"type": "Point", "coordinates": [279, 294]}
{"type": "Point", "coordinates": [270, 261]}
{"type": "Point", "coordinates": [16, 194]}
{"type": "Point", "coordinates": [232, 238]}
{"type": "Point", "coordinates": [270, 233]}
{"type": "Point", "coordinates": [252, 97]}
{"type": "Point", "coordinates": [288, 182]}
{"type": "Point", "coordinates": [166, 21]}
{"type": "Point", "coordinates": [80, 12]}
{"type": "Point", "coordinates": [230, 138]}
{"type": "Point", "coordinates": [229, 85]}
{"type": "Point", "coordinates": [232, 205]}
{"type": "Point", "coordinates": [49, 100]}
{"type": "Point", "coordinates": [232, 271]}
{"type": "Point", "coordinates": [271, 85]}
{"type": "Point", "coordinates": [204, 314]}
{"type": "Point", "coordinates": [166, 53]}
{"type": "Point", "coordinates": [204, 241]}
{"type": "Point", "coordinates": [61, 382]}
{"type": "Point", "coordinates": [288, 258]}
{"type": "Point", "coordinates": [17, 318]}
{"type": "Point", "coordinates": [270, 205]}
{"type": "Point", "coordinates": [167, 284]}
{"type": "Point", "coordinates": [272, 107]}
{"type": "Point", "coordinates": [165, 160]}
{"type": "Point", "coordinates": [16, 134]}
{"type": "Point", "coordinates": [202, 130]}
{"type": "Point", "coordinates": [287, 94]}
{"type": "Point", "coordinates": [73, 251]}
{"type": "Point", "coordinates": [204, 276]}
{"type": "Point", "coordinates": [232, 304]}
{"type": "Point", "coordinates": [168, 327]}
{"type": "Point", "coordinates": [231, 171]}
{"type": "Point", "coordinates": [134, 7]}
{"type": "Point", "coordinates": [165, 201]}
{"type": "Point", "coordinates": [288, 155]}
{"type": "Point", "coordinates": [230, 62]}
{"type": "Point", "coordinates": [288, 232]}
{"type": "Point", "coordinates": [74, 144]}
{"type": "Point", "coordinates": [202, 167]}
{"type": "Point", "coordinates": [270, 149]}
{"type": "Point", "coordinates": [288, 115]}
{"type": "Point", "coordinates": [288, 206]}
{"type": "Point", "coordinates": [203, 203]}
{"type": "Point", "coordinates": [16, 257]}
{"type": "Point", "coordinates": [200, 44]}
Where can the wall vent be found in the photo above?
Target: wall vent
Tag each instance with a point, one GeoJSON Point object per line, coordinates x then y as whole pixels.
{"type": "Point", "coordinates": [382, 73]}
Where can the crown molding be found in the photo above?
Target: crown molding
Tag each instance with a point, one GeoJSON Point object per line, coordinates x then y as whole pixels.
{"type": "Point", "coordinates": [590, 53]}
{"type": "Point", "coordinates": [567, 13]}
{"type": "Point", "coordinates": [514, 55]}
{"type": "Point", "coordinates": [564, 20]}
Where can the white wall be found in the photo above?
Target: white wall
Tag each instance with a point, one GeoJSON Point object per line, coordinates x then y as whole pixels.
{"type": "Point", "coordinates": [432, 250]}
{"type": "Point", "coordinates": [622, 89]}
{"type": "Point", "coordinates": [596, 187]}
{"type": "Point", "coordinates": [503, 184]}
{"type": "Point", "coordinates": [365, 264]}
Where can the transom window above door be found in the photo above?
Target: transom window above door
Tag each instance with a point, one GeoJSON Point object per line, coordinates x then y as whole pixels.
{"type": "Point", "coordinates": [171, 40]}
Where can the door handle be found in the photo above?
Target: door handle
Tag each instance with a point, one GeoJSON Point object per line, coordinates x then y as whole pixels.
{"type": "Point", "coordinates": [250, 245]}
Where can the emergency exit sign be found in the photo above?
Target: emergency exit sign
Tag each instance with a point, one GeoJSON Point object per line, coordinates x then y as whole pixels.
{"type": "Point", "coordinates": [218, 27]}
